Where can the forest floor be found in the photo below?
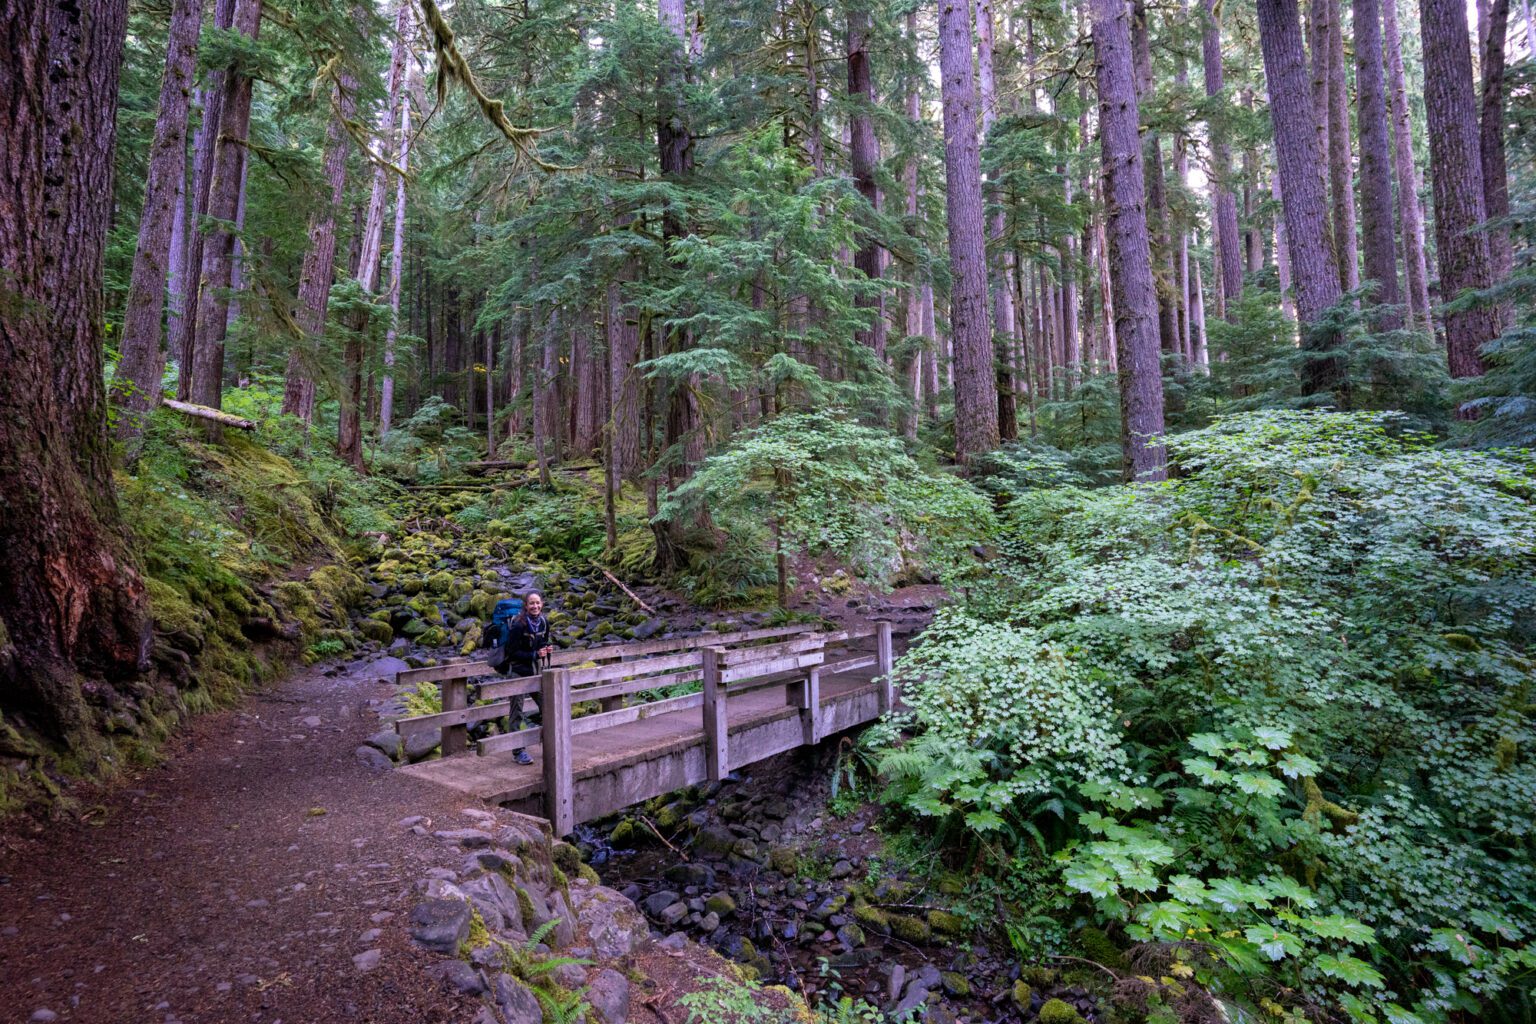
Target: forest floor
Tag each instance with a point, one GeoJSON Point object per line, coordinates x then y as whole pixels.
{"type": "Point", "coordinates": [236, 881]}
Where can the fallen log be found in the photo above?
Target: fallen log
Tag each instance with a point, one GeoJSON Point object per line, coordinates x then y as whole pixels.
{"type": "Point", "coordinates": [632, 595]}
{"type": "Point", "coordinates": [203, 412]}
{"type": "Point", "coordinates": [494, 465]}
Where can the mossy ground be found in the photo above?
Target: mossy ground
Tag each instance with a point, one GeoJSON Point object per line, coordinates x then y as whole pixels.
{"type": "Point", "coordinates": [223, 535]}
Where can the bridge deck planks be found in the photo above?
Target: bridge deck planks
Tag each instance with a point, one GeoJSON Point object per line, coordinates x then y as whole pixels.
{"type": "Point", "coordinates": [496, 778]}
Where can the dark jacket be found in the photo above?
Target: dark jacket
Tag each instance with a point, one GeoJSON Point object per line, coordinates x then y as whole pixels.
{"type": "Point", "coordinates": [526, 636]}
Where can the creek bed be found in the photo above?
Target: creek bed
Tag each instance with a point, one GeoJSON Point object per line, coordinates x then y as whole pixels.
{"type": "Point", "coordinates": [758, 869]}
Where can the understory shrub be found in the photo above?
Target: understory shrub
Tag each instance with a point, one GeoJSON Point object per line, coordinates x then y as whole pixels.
{"type": "Point", "coordinates": [1273, 716]}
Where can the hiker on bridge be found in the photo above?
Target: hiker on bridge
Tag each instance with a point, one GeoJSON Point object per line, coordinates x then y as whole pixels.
{"type": "Point", "coordinates": [519, 641]}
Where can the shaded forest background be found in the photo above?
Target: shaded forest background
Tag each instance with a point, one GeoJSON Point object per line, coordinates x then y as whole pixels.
{"type": "Point", "coordinates": [1189, 344]}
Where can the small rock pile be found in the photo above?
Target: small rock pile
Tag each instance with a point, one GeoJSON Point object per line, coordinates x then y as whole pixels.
{"type": "Point", "coordinates": [760, 873]}
{"type": "Point", "coordinates": [523, 924]}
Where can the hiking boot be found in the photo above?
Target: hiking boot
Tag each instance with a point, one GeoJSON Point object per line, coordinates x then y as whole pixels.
{"type": "Point", "coordinates": [520, 755]}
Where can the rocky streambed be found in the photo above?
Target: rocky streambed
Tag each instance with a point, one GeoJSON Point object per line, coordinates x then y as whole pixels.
{"type": "Point", "coordinates": [758, 869]}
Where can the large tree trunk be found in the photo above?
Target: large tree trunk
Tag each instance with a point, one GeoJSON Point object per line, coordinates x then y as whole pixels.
{"type": "Point", "coordinates": [319, 262]}
{"type": "Point", "coordinates": [183, 337]}
{"type": "Point", "coordinates": [675, 142]}
{"type": "Point", "coordinates": [1130, 256]}
{"type": "Point", "coordinates": [349, 425]}
{"type": "Point", "coordinates": [1003, 332]}
{"type": "Point", "coordinates": [623, 379]}
{"type": "Point", "coordinates": [136, 384]}
{"type": "Point", "coordinates": [976, 427]}
{"type": "Point", "coordinates": [397, 248]}
{"type": "Point", "coordinates": [1375, 165]}
{"type": "Point", "coordinates": [1495, 174]}
{"type": "Point", "coordinates": [223, 208]}
{"type": "Point", "coordinates": [1156, 186]}
{"type": "Point", "coordinates": [1222, 199]}
{"type": "Point", "coordinates": [72, 608]}
{"type": "Point", "coordinates": [1456, 169]}
{"type": "Point", "coordinates": [914, 358]}
{"type": "Point", "coordinates": [1410, 214]}
{"type": "Point", "coordinates": [1302, 195]}
{"type": "Point", "coordinates": [863, 155]}
{"type": "Point", "coordinates": [1340, 158]}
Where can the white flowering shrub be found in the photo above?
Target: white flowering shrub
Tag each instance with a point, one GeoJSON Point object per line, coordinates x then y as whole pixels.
{"type": "Point", "coordinates": [1305, 660]}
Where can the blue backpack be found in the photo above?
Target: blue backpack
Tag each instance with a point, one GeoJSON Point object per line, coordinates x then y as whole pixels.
{"type": "Point", "coordinates": [495, 638]}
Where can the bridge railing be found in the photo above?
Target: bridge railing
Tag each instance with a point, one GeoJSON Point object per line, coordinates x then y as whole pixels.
{"type": "Point", "coordinates": [454, 679]}
{"type": "Point", "coordinates": [797, 665]}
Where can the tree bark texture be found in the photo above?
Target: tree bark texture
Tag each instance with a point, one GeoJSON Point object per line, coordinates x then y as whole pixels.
{"type": "Point", "coordinates": [319, 262]}
{"type": "Point", "coordinates": [72, 608]}
{"type": "Point", "coordinates": [1003, 317]}
{"type": "Point", "coordinates": [183, 340]}
{"type": "Point", "coordinates": [1130, 256]}
{"type": "Point", "coordinates": [1457, 173]}
{"type": "Point", "coordinates": [1491, 139]}
{"type": "Point", "coordinates": [1375, 160]}
{"type": "Point", "coordinates": [1303, 196]}
{"type": "Point", "coordinates": [223, 208]}
{"type": "Point", "coordinates": [136, 384]}
{"type": "Point", "coordinates": [863, 155]}
{"type": "Point", "coordinates": [1223, 202]}
{"type": "Point", "coordinates": [976, 427]}
{"type": "Point", "coordinates": [397, 252]}
{"type": "Point", "coordinates": [1156, 186]}
{"type": "Point", "coordinates": [1340, 156]}
{"type": "Point", "coordinates": [1410, 214]}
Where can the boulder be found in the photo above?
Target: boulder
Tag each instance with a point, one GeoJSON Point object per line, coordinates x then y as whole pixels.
{"type": "Point", "coordinates": [497, 903]}
{"type": "Point", "coordinates": [611, 923]}
{"type": "Point", "coordinates": [608, 994]}
{"type": "Point", "coordinates": [386, 741]}
{"type": "Point", "coordinates": [373, 758]}
{"type": "Point", "coordinates": [461, 977]}
{"type": "Point", "coordinates": [516, 1001]}
{"type": "Point", "coordinates": [440, 924]}
{"type": "Point", "coordinates": [657, 902]}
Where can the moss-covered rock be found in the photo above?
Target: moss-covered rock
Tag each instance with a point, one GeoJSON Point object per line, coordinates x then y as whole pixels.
{"type": "Point", "coordinates": [1096, 946]}
{"type": "Point", "coordinates": [872, 918]}
{"type": "Point", "coordinates": [375, 630]}
{"type": "Point", "coordinates": [945, 923]}
{"type": "Point", "coordinates": [1058, 1011]}
{"type": "Point", "coordinates": [909, 929]}
{"type": "Point", "coordinates": [1022, 995]}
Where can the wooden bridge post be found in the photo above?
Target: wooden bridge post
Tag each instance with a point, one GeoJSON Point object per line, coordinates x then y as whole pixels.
{"type": "Point", "coordinates": [883, 664]}
{"type": "Point", "coordinates": [559, 787]}
{"type": "Point", "coordinates": [455, 738]}
{"type": "Point", "coordinates": [716, 728]}
{"type": "Point", "coordinates": [805, 694]}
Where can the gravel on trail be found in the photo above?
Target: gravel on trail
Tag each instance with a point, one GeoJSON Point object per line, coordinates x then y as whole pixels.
{"type": "Point", "coordinates": [259, 874]}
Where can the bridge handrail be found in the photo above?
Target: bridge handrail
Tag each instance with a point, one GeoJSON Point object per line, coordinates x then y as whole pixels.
{"type": "Point", "coordinates": [468, 668]}
{"type": "Point", "coordinates": [453, 679]}
{"type": "Point", "coordinates": [772, 665]}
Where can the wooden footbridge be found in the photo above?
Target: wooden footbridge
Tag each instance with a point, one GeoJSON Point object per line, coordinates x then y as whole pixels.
{"type": "Point", "coordinates": [611, 737]}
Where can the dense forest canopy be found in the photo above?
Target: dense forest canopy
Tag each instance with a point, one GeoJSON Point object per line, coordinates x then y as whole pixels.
{"type": "Point", "coordinates": [1190, 345]}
